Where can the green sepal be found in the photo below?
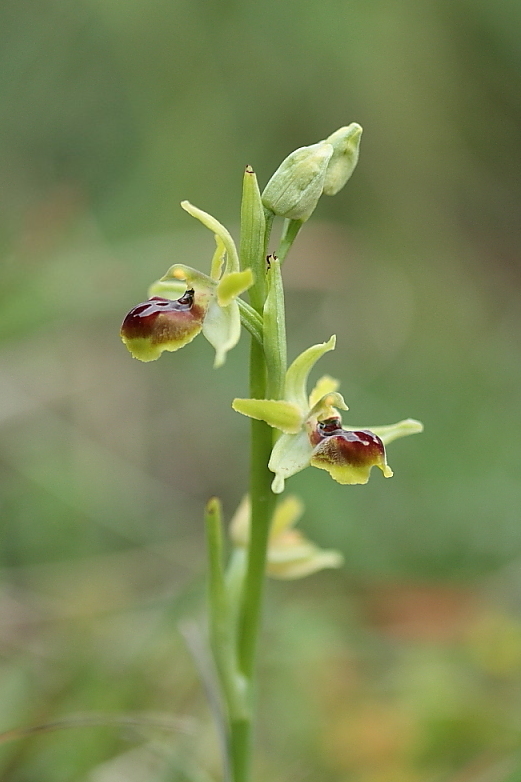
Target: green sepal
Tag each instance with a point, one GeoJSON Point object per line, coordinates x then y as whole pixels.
{"type": "Point", "coordinates": [275, 412]}
{"type": "Point", "coordinates": [232, 285]}
{"type": "Point", "coordinates": [222, 329]}
{"type": "Point", "coordinates": [232, 261]}
{"type": "Point", "coordinates": [291, 454]}
{"type": "Point", "coordinates": [297, 374]}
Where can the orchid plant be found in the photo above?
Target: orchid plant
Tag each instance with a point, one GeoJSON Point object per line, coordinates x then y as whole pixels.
{"type": "Point", "coordinates": [290, 429]}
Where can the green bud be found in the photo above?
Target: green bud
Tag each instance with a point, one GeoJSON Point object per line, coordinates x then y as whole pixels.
{"type": "Point", "coordinates": [296, 186]}
{"type": "Point", "coordinates": [346, 146]}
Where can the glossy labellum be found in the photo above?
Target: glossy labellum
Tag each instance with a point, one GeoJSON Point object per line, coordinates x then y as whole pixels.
{"type": "Point", "coordinates": [348, 456]}
{"type": "Point", "coordinates": [162, 324]}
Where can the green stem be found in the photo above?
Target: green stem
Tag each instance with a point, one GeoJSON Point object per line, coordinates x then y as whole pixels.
{"type": "Point", "coordinates": [262, 507]}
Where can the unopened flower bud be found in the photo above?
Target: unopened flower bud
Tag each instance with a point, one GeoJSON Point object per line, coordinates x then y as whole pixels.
{"type": "Point", "coordinates": [296, 186]}
{"type": "Point", "coordinates": [162, 324]}
{"type": "Point", "coordinates": [347, 456]}
{"type": "Point", "coordinates": [346, 146]}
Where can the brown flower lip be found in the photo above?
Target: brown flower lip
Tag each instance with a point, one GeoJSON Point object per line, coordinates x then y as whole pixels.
{"type": "Point", "coordinates": [341, 445]}
{"type": "Point", "coordinates": [160, 319]}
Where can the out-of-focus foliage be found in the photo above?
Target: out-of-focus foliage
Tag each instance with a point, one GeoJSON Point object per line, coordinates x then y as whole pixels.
{"type": "Point", "coordinates": [406, 667]}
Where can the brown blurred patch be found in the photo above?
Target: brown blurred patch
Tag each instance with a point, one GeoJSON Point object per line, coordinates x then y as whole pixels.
{"type": "Point", "coordinates": [421, 612]}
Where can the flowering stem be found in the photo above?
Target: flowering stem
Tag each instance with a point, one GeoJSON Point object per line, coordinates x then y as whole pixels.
{"type": "Point", "coordinates": [255, 230]}
{"type": "Point", "coordinates": [262, 507]}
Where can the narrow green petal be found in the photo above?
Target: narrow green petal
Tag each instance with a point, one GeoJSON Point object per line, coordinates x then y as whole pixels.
{"type": "Point", "coordinates": [291, 454]}
{"type": "Point", "coordinates": [325, 385]}
{"type": "Point", "coordinates": [393, 431]}
{"type": "Point", "coordinates": [277, 413]}
{"type": "Point", "coordinates": [232, 285]}
{"type": "Point", "coordinates": [217, 228]}
{"type": "Point", "coordinates": [297, 374]}
{"type": "Point", "coordinates": [287, 513]}
{"type": "Point", "coordinates": [218, 258]}
{"type": "Point", "coordinates": [222, 329]}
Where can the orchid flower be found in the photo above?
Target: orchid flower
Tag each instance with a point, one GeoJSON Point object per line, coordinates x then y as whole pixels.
{"type": "Point", "coordinates": [311, 428]}
{"type": "Point", "coordinates": [290, 554]}
{"type": "Point", "coordinates": [185, 302]}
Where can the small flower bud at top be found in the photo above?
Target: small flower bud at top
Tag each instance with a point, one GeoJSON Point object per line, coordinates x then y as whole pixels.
{"type": "Point", "coordinates": [347, 456]}
{"type": "Point", "coordinates": [296, 186]}
{"type": "Point", "coordinates": [162, 324]}
{"type": "Point", "coordinates": [346, 147]}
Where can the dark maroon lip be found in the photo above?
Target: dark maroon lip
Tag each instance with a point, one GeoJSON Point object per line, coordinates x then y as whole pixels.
{"type": "Point", "coordinates": [355, 447]}
{"type": "Point", "coordinates": [142, 319]}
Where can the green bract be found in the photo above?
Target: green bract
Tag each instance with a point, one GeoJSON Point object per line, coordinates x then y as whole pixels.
{"type": "Point", "coordinates": [311, 431]}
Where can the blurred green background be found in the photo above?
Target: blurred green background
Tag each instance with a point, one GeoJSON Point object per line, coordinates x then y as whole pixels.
{"type": "Point", "coordinates": [406, 665]}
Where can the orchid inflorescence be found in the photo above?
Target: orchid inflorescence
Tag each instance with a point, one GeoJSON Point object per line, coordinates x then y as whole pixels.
{"type": "Point", "coordinates": [300, 429]}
